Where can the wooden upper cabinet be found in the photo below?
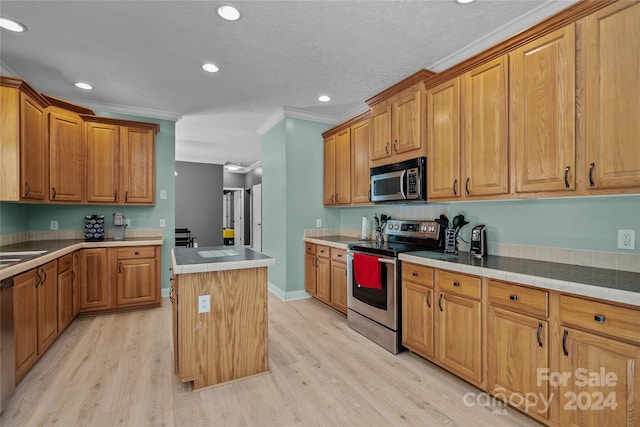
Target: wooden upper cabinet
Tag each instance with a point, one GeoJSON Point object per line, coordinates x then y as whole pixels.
{"type": "Point", "coordinates": [65, 157]}
{"type": "Point", "coordinates": [33, 149]}
{"type": "Point", "coordinates": [486, 163]}
{"type": "Point", "coordinates": [102, 168]}
{"type": "Point", "coordinates": [542, 112]}
{"type": "Point", "coordinates": [443, 140]}
{"type": "Point", "coordinates": [380, 131]}
{"type": "Point", "coordinates": [343, 167]}
{"type": "Point", "coordinates": [407, 122]}
{"type": "Point", "coordinates": [360, 173]}
{"type": "Point", "coordinates": [329, 189]}
{"type": "Point", "coordinates": [612, 94]}
{"type": "Point", "coordinates": [138, 157]}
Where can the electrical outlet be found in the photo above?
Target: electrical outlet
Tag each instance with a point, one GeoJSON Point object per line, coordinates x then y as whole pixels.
{"type": "Point", "coordinates": [318, 223]}
{"type": "Point", "coordinates": [627, 239]}
{"type": "Point", "coordinates": [163, 194]}
{"type": "Point", "coordinates": [53, 225]}
{"type": "Point", "coordinates": [127, 222]}
{"type": "Point", "coordinates": [162, 222]}
{"type": "Point", "coordinates": [204, 303]}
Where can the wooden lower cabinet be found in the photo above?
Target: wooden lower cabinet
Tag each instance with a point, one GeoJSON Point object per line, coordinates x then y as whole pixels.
{"type": "Point", "coordinates": [418, 319]}
{"type": "Point", "coordinates": [339, 280]}
{"type": "Point", "coordinates": [137, 277]}
{"type": "Point", "coordinates": [323, 279]}
{"type": "Point", "coordinates": [94, 282]}
{"type": "Point", "coordinates": [310, 273]}
{"type": "Point", "coordinates": [25, 319]}
{"type": "Point", "coordinates": [325, 272]}
{"type": "Point", "coordinates": [77, 277]}
{"type": "Point", "coordinates": [65, 291]}
{"type": "Point", "coordinates": [47, 306]}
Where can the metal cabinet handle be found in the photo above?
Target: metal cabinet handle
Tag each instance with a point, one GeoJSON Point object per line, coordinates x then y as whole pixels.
{"type": "Point", "coordinates": [73, 276]}
{"type": "Point", "coordinates": [428, 298]}
{"type": "Point", "coordinates": [39, 278]}
{"type": "Point", "coordinates": [564, 343]}
{"type": "Point", "coordinates": [332, 201]}
{"type": "Point", "coordinates": [336, 197]}
{"type": "Point", "coordinates": [414, 274]}
{"type": "Point", "coordinates": [598, 318]}
{"type": "Point", "coordinates": [513, 297]}
{"type": "Point", "coordinates": [126, 196]}
{"type": "Point", "coordinates": [466, 186]}
{"type": "Point", "coordinates": [440, 302]}
{"type": "Point", "coordinates": [44, 272]}
{"type": "Point", "coordinates": [119, 267]}
{"type": "Point", "coordinates": [395, 145]}
{"type": "Point", "coordinates": [76, 258]}
{"type": "Point", "coordinates": [386, 148]}
{"type": "Point", "coordinates": [538, 334]}
{"type": "Point", "coordinates": [566, 176]}
{"type": "Point", "coordinates": [171, 293]}
{"type": "Point", "coordinates": [115, 196]}
{"type": "Point", "coordinates": [456, 284]}
{"type": "Point", "coordinates": [369, 195]}
{"type": "Point", "coordinates": [591, 182]}
{"type": "Point", "coordinates": [136, 253]}
{"type": "Point", "coordinates": [27, 189]}
{"type": "Point", "coordinates": [455, 187]}
{"type": "Point", "coordinates": [53, 190]}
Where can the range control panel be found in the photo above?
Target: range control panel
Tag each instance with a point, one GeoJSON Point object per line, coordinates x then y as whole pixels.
{"type": "Point", "coordinates": [411, 228]}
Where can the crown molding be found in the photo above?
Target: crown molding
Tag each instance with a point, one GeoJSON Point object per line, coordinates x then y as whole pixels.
{"type": "Point", "coordinates": [125, 109]}
{"type": "Point", "coordinates": [295, 113]}
{"type": "Point", "coordinates": [270, 122]}
{"type": "Point", "coordinates": [362, 108]}
{"type": "Point", "coordinates": [6, 70]}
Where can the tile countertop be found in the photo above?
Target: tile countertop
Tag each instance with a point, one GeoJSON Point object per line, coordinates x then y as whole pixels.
{"type": "Point", "coordinates": [217, 258]}
{"type": "Point", "coordinates": [610, 285]}
{"type": "Point", "coordinates": [56, 248]}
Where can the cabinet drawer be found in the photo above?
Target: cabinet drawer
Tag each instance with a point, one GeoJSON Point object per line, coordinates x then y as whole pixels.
{"type": "Point", "coordinates": [137, 252]}
{"type": "Point", "coordinates": [460, 284]}
{"type": "Point", "coordinates": [310, 248]}
{"type": "Point", "coordinates": [417, 274]}
{"type": "Point", "coordinates": [603, 318]}
{"type": "Point", "coordinates": [65, 263]}
{"type": "Point", "coordinates": [323, 251]}
{"type": "Point", "coordinates": [339, 255]}
{"type": "Point", "coordinates": [519, 298]}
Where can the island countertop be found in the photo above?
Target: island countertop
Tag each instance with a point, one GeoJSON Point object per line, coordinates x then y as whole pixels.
{"type": "Point", "coordinates": [217, 258]}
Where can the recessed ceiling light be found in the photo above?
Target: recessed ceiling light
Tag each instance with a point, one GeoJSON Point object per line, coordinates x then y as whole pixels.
{"type": "Point", "coordinates": [229, 13]}
{"type": "Point", "coordinates": [233, 168]}
{"type": "Point", "coordinates": [212, 68]}
{"type": "Point", "coordinates": [324, 98]}
{"type": "Point", "coordinates": [11, 25]}
{"type": "Point", "coordinates": [85, 86]}
{"type": "Point", "coordinates": [464, 1]}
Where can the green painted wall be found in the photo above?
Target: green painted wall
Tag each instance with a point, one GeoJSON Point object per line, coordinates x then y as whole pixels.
{"type": "Point", "coordinates": [71, 217]}
{"type": "Point", "coordinates": [292, 154]}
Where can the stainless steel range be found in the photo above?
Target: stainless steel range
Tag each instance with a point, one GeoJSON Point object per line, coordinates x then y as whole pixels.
{"type": "Point", "coordinates": [374, 307]}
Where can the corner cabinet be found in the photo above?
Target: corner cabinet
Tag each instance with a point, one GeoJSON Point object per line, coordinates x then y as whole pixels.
{"type": "Point", "coordinates": [94, 280]}
{"type": "Point", "coordinates": [66, 157]}
{"type": "Point", "coordinates": [120, 161]}
{"type": "Point", "coordinates": [138, 276]}
{"type": "Point", "coordinates": [611, 46]}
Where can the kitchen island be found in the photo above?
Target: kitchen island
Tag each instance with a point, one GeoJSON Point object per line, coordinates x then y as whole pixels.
{"type": "Point", "coordinates": [219, 298]}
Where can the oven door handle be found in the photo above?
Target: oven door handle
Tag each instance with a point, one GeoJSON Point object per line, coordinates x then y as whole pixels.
{"type": "Point", "coordinates": [387, 261]}
{"type": "Point", "coordinates": [403, 178]}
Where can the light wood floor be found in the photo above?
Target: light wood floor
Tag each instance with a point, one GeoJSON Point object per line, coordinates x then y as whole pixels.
{"type": "Point", "coordinates": [117, 370]}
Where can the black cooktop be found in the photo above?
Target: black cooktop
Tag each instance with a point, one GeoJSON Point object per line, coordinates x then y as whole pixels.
{"type": "Point", "coordinates": [393, 248]}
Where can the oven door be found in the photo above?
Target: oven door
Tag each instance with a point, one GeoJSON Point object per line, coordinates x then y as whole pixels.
{"type": "Point", "coordinates": [379, 305]}
{"type": "Point", "coordinates": [388, 186]}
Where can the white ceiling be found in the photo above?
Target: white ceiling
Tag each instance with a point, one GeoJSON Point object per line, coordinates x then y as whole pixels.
{"type": "Point", "coordinates": [145, 57]}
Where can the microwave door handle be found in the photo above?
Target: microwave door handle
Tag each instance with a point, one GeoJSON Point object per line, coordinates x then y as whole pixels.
{"type": "Point", "coordinates": [403, 178]}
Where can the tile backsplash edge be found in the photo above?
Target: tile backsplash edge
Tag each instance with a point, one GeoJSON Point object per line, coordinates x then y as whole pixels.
{"type": "Point", "coordinates": [10, 239]}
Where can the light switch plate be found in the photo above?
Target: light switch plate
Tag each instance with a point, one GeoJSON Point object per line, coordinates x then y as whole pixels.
{"type": "Point", "coordinates": [163, 194]}
{"type": "Point", "coordinates": [162, 223]}
{"type": "Point", "coordinates": [53, 225]}
{"type": "Point", "coordinates": [204, 303]}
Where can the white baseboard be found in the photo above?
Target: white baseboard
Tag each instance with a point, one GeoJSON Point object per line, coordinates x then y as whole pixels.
{"type": "Point", "coordinates": [287, 296]}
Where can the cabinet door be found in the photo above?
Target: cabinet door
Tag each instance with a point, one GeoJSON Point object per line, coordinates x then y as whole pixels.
{"type": "Point", "coordinates": [323, 279]}
{"type": "Point", "coordinates": [407, 123]}
{"type": "Point", "coordinates": [381, 131]}
{"type": "Point", "coordinates": [102, 163]}
{"type": "Point", "coordinates": [443, 142]}
{"type": "Point", "coordinates": [329, 191]}
{"type": "Point", "coordinates": [136, 283]}
{"type": "Point", "coordinates": [360, 173]}
{"type": "Point", "coordinates": [94, 286]}
{"type": "Point", "coordinates": [343, 167]}
{"type": "Point", "coordinates": [517, 349]}
{"type": "Point", "coordinates": [138, 155]}
{"type": "Point", "coordinates": [459, 336]}
{"type": "Point", "coordinates": [65, 158]}
{"type": "Point", "coordinates": [486, 164]}
{"type": "Point", "coordinates": [339, 286]}
{"type": "Point", "coordinates": [310, 274]}
{"type": "Point", "coordinates": [542, 112]}
{"type": "Point", "coordinates": [47, 306]}
{"type": "Point", "coordinates": [25, 321]}
{"type": "Point", "coordinates": [76, 279]}
{"type": "Point", "coordinates": [33, 150]}
{"type": "Point", "coordinates": [65, 299]}
{"type": "Point", "coordinates": [417, 318]}
{"type": "Point", "coordinates": [612, 91]}
{"type": "Point", "coordinates": [611, 396]}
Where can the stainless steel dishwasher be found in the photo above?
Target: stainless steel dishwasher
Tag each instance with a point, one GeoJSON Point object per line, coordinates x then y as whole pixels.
{"type": "Point", "coordinates": [7, 344]}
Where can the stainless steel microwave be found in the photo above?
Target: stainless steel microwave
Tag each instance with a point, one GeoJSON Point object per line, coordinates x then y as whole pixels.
{"type": "Point", "coordinates": [400, 181]}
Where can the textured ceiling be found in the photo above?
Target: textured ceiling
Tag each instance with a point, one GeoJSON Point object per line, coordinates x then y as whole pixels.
{"type": "Point", "coordinates": [144, 57]}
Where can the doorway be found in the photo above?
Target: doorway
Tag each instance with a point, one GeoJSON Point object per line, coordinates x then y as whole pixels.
{"type": "Point", "coordinates": [256, 217]}
{"type": "Point", "coordinates": [233, 213]}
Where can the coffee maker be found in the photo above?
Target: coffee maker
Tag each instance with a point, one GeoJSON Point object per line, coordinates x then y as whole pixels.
{"type": "Point", "coordinates": [479, 241]}
{"type": "Point", "coordinates": [118, 226]}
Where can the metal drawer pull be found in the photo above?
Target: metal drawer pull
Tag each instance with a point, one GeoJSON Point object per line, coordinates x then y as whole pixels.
{"type": "Point", "coordinates": [513, 297]}
{"type": "Point", "coordinates": [414, 274]}
{"type": "Point", "coordinates": [136, 253]}
{"type": "Point", "coordinates": [598, 318]}
{"type": "Point", "coordinates": [456, 283]}
{"type": "Point", "coordinates": [538, 334]}
{"type": "Point", "coordinates": [564, 342]}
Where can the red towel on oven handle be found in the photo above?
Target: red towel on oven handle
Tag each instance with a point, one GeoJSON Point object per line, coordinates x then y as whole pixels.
{"type": "Point", "coordinates": [367, 271]}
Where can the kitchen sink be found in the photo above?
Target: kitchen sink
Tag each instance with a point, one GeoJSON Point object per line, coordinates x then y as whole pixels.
{"type": "Point", "coordinates": [20, 253]}
{"type": "Point", "coordinates": [10, 258]}
{"type": "Point", "coordinates": [218, 253]}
